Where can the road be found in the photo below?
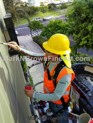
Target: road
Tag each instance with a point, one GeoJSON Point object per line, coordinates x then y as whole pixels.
{"type": "Point", "coordinates": [24, 30]}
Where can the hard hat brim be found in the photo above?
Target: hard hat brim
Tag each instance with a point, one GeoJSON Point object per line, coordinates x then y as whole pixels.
{"type": "Point", "coordinates": [66, 60]}
{"type": "Point", "coordinates": [46, 47]}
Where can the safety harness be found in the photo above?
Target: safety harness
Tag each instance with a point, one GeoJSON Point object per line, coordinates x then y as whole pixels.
{"type": "Point", "coordinates": [57, 71]}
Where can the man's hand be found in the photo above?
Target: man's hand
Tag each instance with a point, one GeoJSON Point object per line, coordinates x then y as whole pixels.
{"type": "Point", "coordinates": [29, 92]}
{"type": "Point", "coordinates": [14, 45]}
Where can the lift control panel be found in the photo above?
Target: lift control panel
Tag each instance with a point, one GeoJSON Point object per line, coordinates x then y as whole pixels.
{"type": "Point", "coordinates": [83, 86]}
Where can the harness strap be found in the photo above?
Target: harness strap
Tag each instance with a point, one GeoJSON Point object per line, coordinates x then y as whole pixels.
{"type": "Point", "coordinates": [49, 76]}
{"type": "Point", "coordinates": [46, 67]}
{"type": "Point", "coordinates": [57, 71]}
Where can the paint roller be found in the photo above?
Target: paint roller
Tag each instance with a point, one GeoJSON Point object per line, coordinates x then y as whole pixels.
{"type": "Point", "coordinates": [26, 51]}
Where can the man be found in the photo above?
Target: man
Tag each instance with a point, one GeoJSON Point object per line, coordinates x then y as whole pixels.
{"type": "Point", "coordinates": [57, 76]}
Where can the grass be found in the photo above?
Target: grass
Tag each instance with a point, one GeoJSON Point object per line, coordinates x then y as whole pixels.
{"type": "Point", "coordinates": [41, 15]}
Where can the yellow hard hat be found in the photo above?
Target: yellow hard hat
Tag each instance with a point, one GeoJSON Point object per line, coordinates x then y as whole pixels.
{"type": "Point", "coordinates": [58, 44]}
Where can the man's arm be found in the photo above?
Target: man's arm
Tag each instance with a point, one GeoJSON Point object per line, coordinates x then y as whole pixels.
{"type": "Point", "coordinates": [30, 54]}
{"type": "Point", "coordinates": [59, 91]}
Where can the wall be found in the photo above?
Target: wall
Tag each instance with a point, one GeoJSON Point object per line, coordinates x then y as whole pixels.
{"type": "Point", "coordinates": [14, 105]}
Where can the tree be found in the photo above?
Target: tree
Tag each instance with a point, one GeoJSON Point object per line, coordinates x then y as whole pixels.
{"type": "Point", "coordinates": [80, 20]}
{"type": "Point", "coordinates": [35, 26]}
{"type": "Point", "coordinates": [12, 6]}
{"type": "Point", "coordinates": [19, 9]}
{"type": "Point", "coordinates": [43, 9]}
{"type": "Point", "coordinates": [54, 26]}
{"type": "Point", "coordinates": [8, 3]}
{"type": "Point", "coordinates": [52, 6]}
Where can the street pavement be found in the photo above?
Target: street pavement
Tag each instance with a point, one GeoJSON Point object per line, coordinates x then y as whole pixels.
{"type": "Point", "coordinates": [25, 30]}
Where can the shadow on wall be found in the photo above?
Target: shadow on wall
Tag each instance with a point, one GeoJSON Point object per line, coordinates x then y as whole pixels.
{"type": "Point", "coordinates": [1, 26]}
{"type": "Point", "coordinates": [14, 91]}
{"type": "Point", "coordinates": [8, 87]}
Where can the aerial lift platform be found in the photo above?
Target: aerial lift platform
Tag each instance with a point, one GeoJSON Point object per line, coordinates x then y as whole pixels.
{"type": "Point", "coordinates": [81, 106]}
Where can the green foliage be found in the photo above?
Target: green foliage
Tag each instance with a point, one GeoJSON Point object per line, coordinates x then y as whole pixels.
{"type": "Point", "coordinates": [31, 10]}
{"type": "Point", "coordinates": [43, 9]}
{"type": "Point", "coordinates": [80, 19]}
{"type": "Point", "coordinates": [19, 9]}
{"type": "Point", "coordinates": [8, 3]}
{"type": "Point", "coordinates": [41, 4]}
{"type": "Point", "coordinates": [39, 40]}
{"type": "Point", "coordinates": [54, 26]}
{"type": "Point", "coordinates": [63, 6]}
{"type": "Point", "coordinates": [24, 65]}
{"type": "Point", "coordinates": [52, 6]}
{"type": "Point", "coordinates": [12, 6]}
{"type": "Point", "coordinates": [26, 70]}
{"type": "Point", "coordinates": [35, 25]}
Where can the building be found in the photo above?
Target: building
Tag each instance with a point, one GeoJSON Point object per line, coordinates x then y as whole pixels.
{"type": "Point", "coordinates": [13, 102]}
{"type": "Point", "coordinates": [34, 2]}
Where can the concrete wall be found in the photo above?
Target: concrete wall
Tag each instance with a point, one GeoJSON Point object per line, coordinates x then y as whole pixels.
{"type": "Point", "coordinates": [14, 105]}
